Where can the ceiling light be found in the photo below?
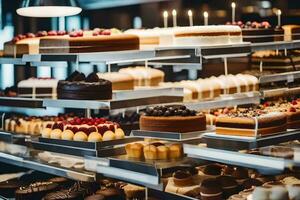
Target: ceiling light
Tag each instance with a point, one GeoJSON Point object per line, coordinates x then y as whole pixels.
{"type": "Point", "coordinates": [48, 8]}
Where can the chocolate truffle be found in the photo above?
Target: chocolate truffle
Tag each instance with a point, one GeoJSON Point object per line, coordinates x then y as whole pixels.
{"type": "Point", "coordinates": [95, 197]}
{"type": "Point", "coordinates": [35, 190]}
{"type": "Point", "coordinates": [212, 169]}
{"type": "Point", "coordinates": [182, 178]}
{"type": "Point", "coordinates": [229, 185]}
{"type": "Point", "coordinates": [64, 195]}
{"type": "Point", "coordinates": [111, 193]}
{"type": "Point", "coordinates": [210, 189]}
{"type": "Point", "coordinates": [8, 188]}
{"type": "Point", "coordinates": [250, 182]}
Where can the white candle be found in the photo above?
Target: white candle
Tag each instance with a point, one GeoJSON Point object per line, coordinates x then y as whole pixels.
{"type": "Point", "coordinates": [190, 14]}
{"type": "Point", "coordinates": [174, 14]}
{"type": "Point", "coordinates": [205, 15]}
{"type": "Point", "coordinates": [233, 5]}
{"type": "Point", "coordinates": [165, 15]}
{"type": "Point", "coordinates": [279, 17]}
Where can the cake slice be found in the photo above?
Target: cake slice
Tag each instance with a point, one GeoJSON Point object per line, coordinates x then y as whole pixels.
{"type": "Point", "coordinates": [255, 123]}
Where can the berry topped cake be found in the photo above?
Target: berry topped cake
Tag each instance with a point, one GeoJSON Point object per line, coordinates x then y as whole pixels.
{"type": "Point", "coordinates": [251, 123]}
{"type": "Point", "coordinates": [290, 108]}
{"type": "Point", "coordinates": [172, 119]}
{"type": "Point", "coordinates": [84, 129]}
{"type": "Point", "coordinates": [78, 86]}
{"type": "Point", "coordinates": [98, 40]}
{"type": "Point", "coordinates": [259, 32]}
{"type": "Point", "coordinates": [79, 41]}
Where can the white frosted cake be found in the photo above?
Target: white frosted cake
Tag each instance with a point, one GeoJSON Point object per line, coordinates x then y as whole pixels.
{"type": "Point", "coordinates": [38, 87]}
{"type": "Point", "coordinates": [186, 36]}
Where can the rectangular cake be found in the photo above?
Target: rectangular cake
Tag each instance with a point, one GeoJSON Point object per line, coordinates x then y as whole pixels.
{"type": "Point", "coordinates": [251, 123]}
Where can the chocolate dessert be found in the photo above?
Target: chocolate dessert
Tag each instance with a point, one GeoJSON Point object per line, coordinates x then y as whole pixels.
{"type": "Point", "coordinates": [211, 190]}
{"type": "Point", "coordinates": [172, 119]}
{"type": "Point", "coordinates": [35, 190]}
{"type": "Point", "coordinates": [78, 86]}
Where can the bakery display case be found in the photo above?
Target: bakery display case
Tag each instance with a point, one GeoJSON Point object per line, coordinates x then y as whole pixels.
{"type": "Point", "coordinates": [129, 134]}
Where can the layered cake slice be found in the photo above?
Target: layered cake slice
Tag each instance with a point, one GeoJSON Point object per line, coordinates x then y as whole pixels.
{"type": "Point", "coordinates": [291, 109]}
{"type": "Point", "coordinates": [257, 32]}
{"type": "Point", "coordinates": [172, 119]}
{"type": "Point", "coordinates": [29, 43]}
{"type": "Point", "coordinates": [272, 60]}
{"type": "Point", "coordinates": [45, 87]}
{"type": "Point", "coordinates": [291, 32]}
{"type": "Point", "coordinates": [251, 123]}
{"type": "Point", "coordinates": [86, 41]}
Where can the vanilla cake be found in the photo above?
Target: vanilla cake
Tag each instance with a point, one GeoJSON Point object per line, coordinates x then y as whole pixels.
{"type": "Point", "coordinates": [144, 76]}
{"type": "Point", "coordinates": [120, 81]}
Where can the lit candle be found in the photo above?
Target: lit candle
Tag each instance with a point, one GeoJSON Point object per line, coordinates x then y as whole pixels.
{"type": "Point", "coordinates": [233, 5]}
{"type": "Point", "coordinates": [174, 14]}
{"type": "Point", "coordinates": [165, 15]}
{"type": "Point", "coordinates": [279, 17]}
{"type": "Point", "coordinates": [205, 15]}
{"type": "Point", "coordinates": [190, 14]}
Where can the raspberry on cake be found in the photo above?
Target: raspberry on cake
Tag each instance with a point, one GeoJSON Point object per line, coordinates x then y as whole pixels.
{"type": "Point", "coordinates": [79, 41]}
{"type": "Point", "coordinates": [172, 119]}
{"type": "Point", "coordinates": [84, 129]}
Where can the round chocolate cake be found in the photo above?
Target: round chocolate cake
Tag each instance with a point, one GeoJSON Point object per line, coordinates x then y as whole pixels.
{"type": "Point", "coordinates": [172, 119]}
{"type": "Point", "coordinates": [77, 86]}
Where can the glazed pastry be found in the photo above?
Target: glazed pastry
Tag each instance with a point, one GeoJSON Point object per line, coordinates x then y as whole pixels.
{"type": "Point", "coordinates": [56, 134]}
{"type": "Point", "coordinates": [108, 135]}
{"type": "Point", "coordinates": [80, 136]}
{"type": "Point", "coordinates": [150, 152]}
{"type": "Point", "coordinates": [176, 151]}
{"type": "Point", "coordinates": [163, 152]}
{"type": "Point", "coordinates": [95, 137]}
{"type": "Point", "coordinates": [67, 135]}
{"type": "Point", "coordinates": [134, 150]}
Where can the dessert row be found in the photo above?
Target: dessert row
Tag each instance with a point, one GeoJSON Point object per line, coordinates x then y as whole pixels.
{"type": "Point", "coordinates": [28, 188]}
{"type": "Point", "coordinates": [98, 86]}
{"type": "Point", "coordinates": [270, 117]}
{"type": "Point", "coordinates": [99, 40]}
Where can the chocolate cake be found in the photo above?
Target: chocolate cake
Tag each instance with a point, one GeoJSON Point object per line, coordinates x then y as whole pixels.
{"type": "Point", "coordinates": [172, 119]}
{"type": "Point", "coordinates": [256, 32]}
{"type": "Point", "coordinates": [64, 194]}
{"type": "Point", "coordinates": [8, 188]}
{"type": "Point", "coordinates": [35, 190]}
{"type": "Point", "coordinates": [77, 86]}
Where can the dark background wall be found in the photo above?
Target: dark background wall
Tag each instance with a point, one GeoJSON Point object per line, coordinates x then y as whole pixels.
{"type": "Point", "coordinates": [151, 13]}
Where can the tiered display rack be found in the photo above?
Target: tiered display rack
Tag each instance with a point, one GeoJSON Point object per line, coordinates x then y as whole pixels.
{"type": "Point", "coordinates": [23, 150]}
